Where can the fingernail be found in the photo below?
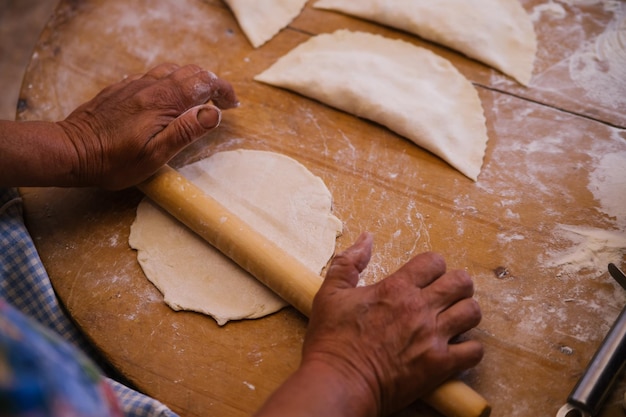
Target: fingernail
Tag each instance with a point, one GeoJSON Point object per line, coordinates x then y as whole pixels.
{"type": "Point", "coordinates": [209, 117]}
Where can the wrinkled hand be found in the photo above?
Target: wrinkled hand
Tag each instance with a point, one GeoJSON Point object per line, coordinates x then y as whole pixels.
{"type": "Point", "coordinates": [130, 129]}
{"type": "Point", "coordinates": [395, 339]}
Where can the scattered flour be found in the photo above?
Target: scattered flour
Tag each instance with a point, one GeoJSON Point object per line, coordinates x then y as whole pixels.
{"type": "Point", "coordinates": [593, 249]}
{"type": "Point", "coordinates": [607, 5]}
{"type": "Point", "coordinates": [599, 66]}
{"type": "Point", "coordinates": [551, 9]}
{"type": "Point", "coordinates": [582, 60]}
{"type": "Point", "coordinates": [608, 185]}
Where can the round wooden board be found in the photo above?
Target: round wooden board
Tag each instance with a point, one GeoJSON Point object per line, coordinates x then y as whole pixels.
{"type": "Point", "coordinates": [545, 168]}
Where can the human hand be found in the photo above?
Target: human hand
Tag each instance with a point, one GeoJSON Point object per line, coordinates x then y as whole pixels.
{"type": "Point", "coordinates": [132, 128]}
{"type": "Point", "coordinates": [392, 341]}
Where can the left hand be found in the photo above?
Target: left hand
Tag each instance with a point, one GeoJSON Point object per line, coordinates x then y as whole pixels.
{"type": "Point", "coordinates": [132, 128]}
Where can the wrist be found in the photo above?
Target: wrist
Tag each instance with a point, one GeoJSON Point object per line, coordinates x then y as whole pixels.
{"type": "Point", "coordinates": [318, 388]}
{"type": "Point", "coordinates": [35, 154]}
{"type": "Point", "coordinates": [77, 166]}
{"type": "Point", "coordinates": [348, 390]}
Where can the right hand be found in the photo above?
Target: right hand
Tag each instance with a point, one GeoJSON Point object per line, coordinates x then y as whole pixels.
{"type": "Point", "coordinates": [394, 340]}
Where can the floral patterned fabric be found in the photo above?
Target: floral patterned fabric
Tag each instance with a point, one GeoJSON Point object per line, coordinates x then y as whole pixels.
{"type": "Point", "coordinates": [42, 375]}
{"type": "Point", "coordinates": [43, 360]}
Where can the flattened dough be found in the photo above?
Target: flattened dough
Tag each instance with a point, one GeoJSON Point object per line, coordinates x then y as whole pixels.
{"type": "Point", "coordinates": [274, 194]}
{"type": "Point", "coordinates": [261, 20]}
{"type": "Point", "coordinates": [498, 33]}
{"type": "Point", "coordinates": [411, 90]}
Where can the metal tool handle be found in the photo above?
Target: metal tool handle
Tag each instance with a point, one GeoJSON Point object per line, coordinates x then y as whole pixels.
{"type": "Point", "coordinates": [606, 364]}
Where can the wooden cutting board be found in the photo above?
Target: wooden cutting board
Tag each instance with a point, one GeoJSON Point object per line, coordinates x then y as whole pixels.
{"type": "Point", "coordinates": [552, 165]}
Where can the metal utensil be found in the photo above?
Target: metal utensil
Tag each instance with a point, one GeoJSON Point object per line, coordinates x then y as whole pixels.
{"type": "Point", "coordinates": [592, 388]}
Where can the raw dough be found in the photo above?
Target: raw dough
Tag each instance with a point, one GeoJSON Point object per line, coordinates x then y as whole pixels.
{"type": "Point", "coordinates": [271, 192]}
{"type": "Point", "coordinates": [260, 20]}
{"type": "Point", "coordinates": [412, 91]}
{"type": "Point", "coordinates": [498, 33]}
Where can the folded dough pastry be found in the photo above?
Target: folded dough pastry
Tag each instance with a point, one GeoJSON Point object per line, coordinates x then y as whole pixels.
{"type": "Point", "coordinates": [498, 33]}
{"type": "Point", "coordinates": [409, 89]}
{"type": "Point", "coordinates": [261, 20]}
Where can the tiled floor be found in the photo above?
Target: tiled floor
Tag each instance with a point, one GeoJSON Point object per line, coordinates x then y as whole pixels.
{"type": "Point", "coordinates": [21, 22]}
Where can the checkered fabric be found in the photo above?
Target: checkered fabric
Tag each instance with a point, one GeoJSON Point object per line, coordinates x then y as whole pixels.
{"type": "Point", "coordinates": [25, 285]}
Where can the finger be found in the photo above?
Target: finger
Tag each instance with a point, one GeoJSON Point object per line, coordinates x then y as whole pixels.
{"type": "Point", "coordinates": [459, 318]}
{"type": "Point", "coordinates": [223, 95]}
{"type": "Point", "coordinates": [115, 87]}
{"type": "Point", "coordinates": [132, 77]}
{"type": "Point", "coordinates": [345, 268]}
{"type": "Point", "coordinates": [127, 79]}
{"type": "Point", "coordinates": [123, 85]}
{"type": "Point", "coordinates": [161, 71]}
{"type": "Point", "coordinates": [191, 86]}
{"type": "Point", "coordinates": [186, 128]}
{"type": "Point", "coordinates": [424, 268]}
{"type": "Point", "coordinates": [202, 86]}
{"type": "Point", "coordinates": [465, 355]}
{"type": "Point", "coordinates": [449, 288]}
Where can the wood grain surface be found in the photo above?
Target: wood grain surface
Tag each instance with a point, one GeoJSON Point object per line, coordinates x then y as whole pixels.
{"type": "Point", "coordinates": [551, 183]}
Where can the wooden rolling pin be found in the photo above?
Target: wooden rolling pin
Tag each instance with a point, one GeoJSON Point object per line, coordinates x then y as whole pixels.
{"type": "Point", "coordinates": [279, 271]}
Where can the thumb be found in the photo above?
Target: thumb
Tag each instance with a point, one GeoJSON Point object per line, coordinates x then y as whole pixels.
{"type": "Point", "coordinates": [345, 268]}
{"type": "Point", "coordinates": [190, 126]}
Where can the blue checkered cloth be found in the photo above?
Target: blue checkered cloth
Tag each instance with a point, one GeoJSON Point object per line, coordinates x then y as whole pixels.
{"type": "Point", "coordinates": [24, 283]}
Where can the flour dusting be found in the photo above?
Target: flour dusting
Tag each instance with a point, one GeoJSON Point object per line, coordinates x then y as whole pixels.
{"type": "Point", "coordinates": [593, 249]}
{"type": "Point", "coordinates": [607, 5]}
{"type": "Point", "coordinates": [582, 56]}
{"type": "Point", "coordinates": [608, 185]}
{"type": "Point", "coordinates": [551, 9]}
{"type": "Point", "coordinates": [599, 66]}
{"type": "Point", "coordinates": [592, 178]}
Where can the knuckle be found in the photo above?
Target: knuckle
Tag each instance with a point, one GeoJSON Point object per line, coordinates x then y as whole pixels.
{"type": "Point", "coordinates": [167, 66]}
{"type": "Point", "coordinates": [463, 281]}
{"type": "Point", "coordinates": [192, 68]}
{"type": "Point", "coordinates": [431, 261]}
{"type": "Point", "coordinates": [479, 353]}
{"type": "Point", "coordinates": [186, 131]}
{"type": "Point", "coordinates": [400, 297]}
{"type": "Point", "coordinates": [341, 260]}
{"type": "Point", "coordinates": [391, 285]}
{"type": "Point", "coordinates": [340, 264]}
{"type": "Point", "coordinates": [474, 311]}
{"type": "Point", "coordinates": [436, 259]}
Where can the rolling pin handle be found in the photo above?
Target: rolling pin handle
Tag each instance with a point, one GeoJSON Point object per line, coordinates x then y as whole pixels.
{"type": "Point", "coordinates": [454, 398]}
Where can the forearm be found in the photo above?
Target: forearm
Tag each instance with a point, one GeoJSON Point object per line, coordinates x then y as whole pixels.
{"type": "Point", "coordinates": [316, 389]}
{"type": "Point", "coordinates": [35, 154]}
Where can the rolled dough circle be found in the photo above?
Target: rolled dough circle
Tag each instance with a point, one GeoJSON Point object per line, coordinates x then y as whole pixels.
{"type": "Point", "coordinates": [274, 194]}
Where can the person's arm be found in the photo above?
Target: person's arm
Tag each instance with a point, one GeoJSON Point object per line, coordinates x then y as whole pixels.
{"type": "Point", "coordinates": [318, 389]}
{"type": "Point", "coordinates": [370, 351]}
{"type": "Point", "coordinates": [121, 136]}
{"type": "Point", "coordinates": [34, 153]}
